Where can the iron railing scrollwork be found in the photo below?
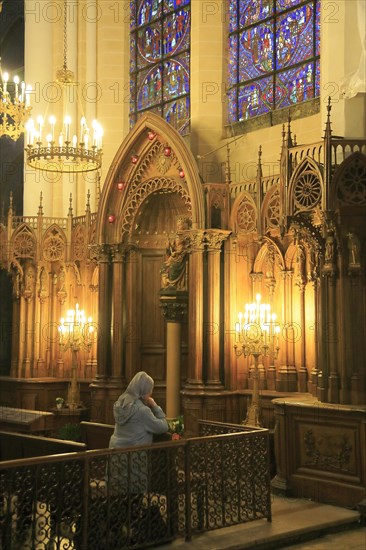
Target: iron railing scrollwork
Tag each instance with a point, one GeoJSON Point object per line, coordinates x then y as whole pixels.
{"type": "Point", "coordinates": [137, 497]}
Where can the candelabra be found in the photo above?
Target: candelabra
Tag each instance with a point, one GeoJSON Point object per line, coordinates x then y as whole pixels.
{"type": "Point", "coordinates": [258, 334]}
{"type": "Point", "coordinates": [75, 333]}
{"type": "Point", "coordinates": [66, 152]}
{"type": "Point", "coordinates": [14, 106]}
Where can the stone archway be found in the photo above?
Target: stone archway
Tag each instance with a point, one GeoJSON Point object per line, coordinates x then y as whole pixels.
{"type": "Point", "coordinates": [152, 182]}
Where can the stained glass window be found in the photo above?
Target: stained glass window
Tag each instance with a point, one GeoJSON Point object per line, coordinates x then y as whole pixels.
{"type": "Point", "coordinates": [273, 55]}
{"type": "Point", "coordinates": [160, 60]}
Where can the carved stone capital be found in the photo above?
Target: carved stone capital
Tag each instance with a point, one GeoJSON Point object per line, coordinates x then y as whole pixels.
{"type": "Point", "coordinates": [118, 253]}
{"type": "Point", "coordinates": [100, 252]}
{"type": "Point", "coordinates": [174, 305]}
{"type": "Point", "coordinates": [256, 276]}
{"type": "Point", "coordinates": [197, 240]}
{"type": "Point", "coordinates": [214, 239]}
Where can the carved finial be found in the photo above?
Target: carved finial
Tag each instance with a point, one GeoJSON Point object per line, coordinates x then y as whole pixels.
{"type": "Point", "coordinates": [88, 201]}
{"type": "Point", "coordinates": [259, 163]}
{"type": "Point", "coordinates": [295, 141]}
{"type": "Point", "coordinates": [40, 208]}
{"type": "Point", "coordinates": [11, 200]}
{"type": "Point", "coordinates": [289, 139]}
{"type": "Point", "coordinates": [328, 124]}
{"type": "Point", "coordinates": [283, 134]}
{"type": "Point", "coordinates": [70, 205]}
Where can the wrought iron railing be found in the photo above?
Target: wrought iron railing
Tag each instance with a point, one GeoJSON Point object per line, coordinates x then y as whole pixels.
{"type": "Point", "coordinates": [135, 498]}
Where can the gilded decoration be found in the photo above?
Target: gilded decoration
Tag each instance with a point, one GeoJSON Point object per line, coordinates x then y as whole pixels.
{"type": "Point", "coordinates": [328, 448]}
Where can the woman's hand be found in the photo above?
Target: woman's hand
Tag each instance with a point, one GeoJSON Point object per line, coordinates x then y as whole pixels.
{"type": "Point", "coordinates": [149, 402]}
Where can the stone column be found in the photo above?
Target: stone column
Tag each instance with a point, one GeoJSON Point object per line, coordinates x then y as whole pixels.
{"type": "Point", "coordinates": [195, 308]}
{"type": "Point", "coordinates": [104, 311]}
{"type": "Point", "coordinates": [119, 282]}
{"type": "Point", "coordinates": [213, 330]}
{"type": "Point", "coordinates": [174, 306]}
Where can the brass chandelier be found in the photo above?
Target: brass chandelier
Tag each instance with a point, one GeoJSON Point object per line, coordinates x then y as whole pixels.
{"type": "Point", "coordinates": [68, 152]}
{"type": "Point", "coordinates": [14, 106]}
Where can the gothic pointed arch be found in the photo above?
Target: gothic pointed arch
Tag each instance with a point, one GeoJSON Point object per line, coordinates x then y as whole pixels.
{"type": "Point", "coordinates": [23, 242]}
{"type": "Point", "coordinates": [268, 257]}
{"type": "Point", "coordinates": [244, 214]}
{"type": "Point", "coordinates": [79, 241]}
{"type": "Point", "coordinates": [306, 189]}
{"type": "Point", "coordinates": [153, 158]}
{"type": "Point", "coordinates": [350, 181]}
{"type": "Point", "coordinates": [271, 209]}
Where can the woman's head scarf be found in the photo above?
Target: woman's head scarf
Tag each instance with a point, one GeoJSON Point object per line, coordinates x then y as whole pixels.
{"type": "Point", "coordinates": [141, 384]}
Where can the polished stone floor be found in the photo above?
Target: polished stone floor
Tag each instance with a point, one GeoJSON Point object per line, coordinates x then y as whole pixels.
{"type": "Point", "coordinates": [296, 524]}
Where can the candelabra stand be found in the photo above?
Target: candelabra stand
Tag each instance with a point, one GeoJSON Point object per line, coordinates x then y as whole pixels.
{"type": "Point", "coordinates": [75, 334]}
{"type": "Point", "coordinates": [257, 336]}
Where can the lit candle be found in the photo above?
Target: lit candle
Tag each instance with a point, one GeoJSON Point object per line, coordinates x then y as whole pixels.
{"type": "Point", "coordinates": [67, 122]}
{"type": "Point", "coordinates": [49, 139]}
{"type": "Point", "coordinates": [82, 128]}
{"type": "Point", "coordinates": [61, 139]}
{"type": "Point", "coordinates": [40, 125]}
{"type": "Point", "coordinates": [52, 120]}
{"type": "Point", "coordinates": [30, 128]}
{"type": "Point", "coordinates": [22, 86]}
{"type": "Point", "coordinates": [5, 80]}
{"type": "Point", "coordinates": [16, 82]}
{"type": "Point", "coordinates": [74, 140]}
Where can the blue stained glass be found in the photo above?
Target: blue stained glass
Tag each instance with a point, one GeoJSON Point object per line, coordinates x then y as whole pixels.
{"type": "Point", "coordinates": [160, 29]}
{"type": "Point", "coordinates": [255, 99]}
{"type": "Point", "coordinates": [256, 52]}
{"type": "Point", "coordinates": [286, 4]}
{"type": "Point", "coordinates": [317, 79]}
{"type": "Point", "coordinates": [252, 11]}
{"type": "Point", "coordinates": [233, 17]}
{"type": "Point", "coordinates": [176, 78]}
{"type": "Point", "coordinates": [295, 85]}
{"type": "Point", "coordinates": [177, 114]}
{"type": "Point", "coordinates": [175, 31]}
{"type": "Point", "coordinates": [317, 29]}
{"type": "Point", "coordinates": [171, 5]}
{"type": "Point", "coordinates": [149, 86]}
{"type": "Point", "coordinates": [148, 11]}
{"type": "Point", "coordinates": [149, 44]}
{"type": "Point", "coordinates": [233, 61]}
{"type": "Point", "coordinates": [294, 36]}
{"type": "Point", "coordinates": [231, 98]}
{"type": "Point", "coordinates": [132, 55]}
{"type": "Point", "coordinates": [132, 14]}
{"type": "Point", "coordinates": [268, 71]}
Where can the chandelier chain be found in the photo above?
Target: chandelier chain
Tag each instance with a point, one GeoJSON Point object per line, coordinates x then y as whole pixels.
{"type": "Point", "coordinates": [65, 35]}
